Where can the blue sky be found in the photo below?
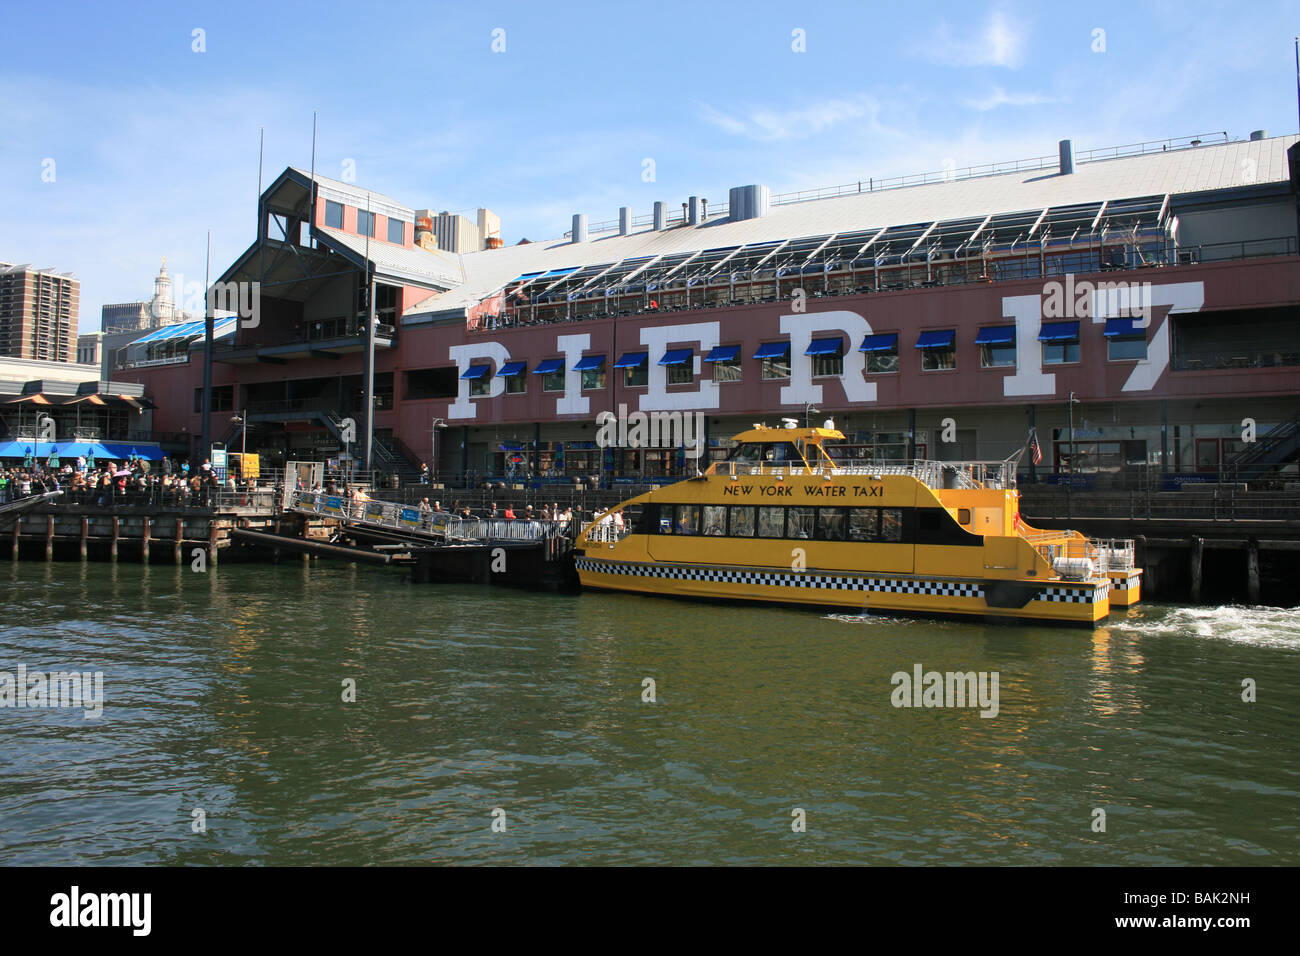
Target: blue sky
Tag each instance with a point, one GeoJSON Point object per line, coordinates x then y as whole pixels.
{"type": "Point", "coordinates": [153, 144]}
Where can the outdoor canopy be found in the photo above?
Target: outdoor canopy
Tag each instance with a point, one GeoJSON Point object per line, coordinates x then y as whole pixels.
{"type": "Point", "coordinates": [885, 342]}
{"type": "Point", "coordinates": [590, 363]}
{"type": "Point", "coordinates": [632, 359]}
{"type": "Point", "coordinates": [549, 366]}
{"type": "Point", "coordinates": [511, 368]}
{"type": "Point", "coordinates": [937, 339]}
{"type": "Point", "coordinates": [996, 335]}
{"type": "Point", "coordinates": [823, 346]}
{"type": "Point", "coordinates": [723, 353]}
{"type": "Point", "coordinates": [1058, 332]}
{"type": "Point", "coordinates": [676, 357]}
{"type": "Point", "coordinates": [772, 350]}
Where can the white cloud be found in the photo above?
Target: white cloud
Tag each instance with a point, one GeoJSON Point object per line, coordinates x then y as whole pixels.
{"type": "Point", "coordinates": [767, 125]}
{"type": "Point", "coordinates": [1000, 97]}
{"type": "Point", "coordinates": [999, 42]}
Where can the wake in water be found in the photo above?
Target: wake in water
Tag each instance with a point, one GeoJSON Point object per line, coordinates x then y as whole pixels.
{"type": "Point", "coordinates": [1262, 626]}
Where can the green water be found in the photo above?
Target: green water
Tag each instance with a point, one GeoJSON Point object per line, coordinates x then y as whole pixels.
{"type": "Point", "coordinates": [222, 692]}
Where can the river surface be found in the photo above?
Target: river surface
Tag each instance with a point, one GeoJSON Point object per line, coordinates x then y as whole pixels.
{"type": "Point", "coordinates": [773, 736]}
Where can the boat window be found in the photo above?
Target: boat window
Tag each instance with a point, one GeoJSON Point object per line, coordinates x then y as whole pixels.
{"type": "Point", "coordinates": [963, 516]}
{"type": "Point", "coordinates": [782, 451]}
{"type": "Point", "coordinates": [750, 451]}
{"type": "Point", "coordinates": [830, 524]}
{"type": "Point", "coordinates": [771, 522]}
{"type": "Point", "coordinates": [742, 521]}
{"type": "Point", "coordinates": [863, 524]}
{"type": "Point", "coordinates": [647, 522]}
{"type": "Point", "coordinates": [891, 524]}
{"type": "Point", "coordinates": [688, 519]}
{"type": "Point", "coordinates": [715, 520]}
{"type": "Point", "coordinates": [798, 522]}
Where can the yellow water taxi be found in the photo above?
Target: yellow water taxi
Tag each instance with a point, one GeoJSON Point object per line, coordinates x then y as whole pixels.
{"type": "Point", "coordinates": [782, 520]}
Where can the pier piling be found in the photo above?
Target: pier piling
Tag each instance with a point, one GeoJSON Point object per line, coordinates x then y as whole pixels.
{"type": "Point", "coordinates": [1196, 554]}
{"type": "Point", "coordinates": [85, 535]}
{"type": "Point", "coordinates": [1252, 571]}
{"type": "Point", "coordinates": [49, 537]}
{"type": "Point", "coordinates": [117, 531]}
{"type": "Point", "coordinates": [144, 541]}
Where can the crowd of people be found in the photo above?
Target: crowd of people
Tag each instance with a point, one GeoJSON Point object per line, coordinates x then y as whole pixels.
{"type": "Point", "coordinates": [107, 483]}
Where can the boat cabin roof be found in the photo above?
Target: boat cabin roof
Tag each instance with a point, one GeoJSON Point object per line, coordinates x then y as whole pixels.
{"type": "Point", "coordinates": [764, 435]}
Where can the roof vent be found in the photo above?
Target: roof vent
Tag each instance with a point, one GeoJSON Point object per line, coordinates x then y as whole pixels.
{"type": "Point", "coordinates": [1259, 134]}
{"type": "Point", "coordinates": [695, 211]}
{"type": "Point", "coordinates": [624, 220]}
{"type": "Point", "coordinates": [579, 227]}
{"type": "Point", "coordinates": [661, 215]}
{"type": "Point", "coordinates": [1067, 156]}
{"type": "Point", "coordinates": [748, 202]}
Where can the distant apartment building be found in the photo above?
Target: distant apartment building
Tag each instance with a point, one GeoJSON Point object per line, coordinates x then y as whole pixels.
{"type": "Point", "coordinates": [143, 316]}
{"type": "Point", "coordinates": [38, 313]}
{"type": "Point", "coordinates": [452, 232]}
{"type": "Point", "coordinates": [89, 348]}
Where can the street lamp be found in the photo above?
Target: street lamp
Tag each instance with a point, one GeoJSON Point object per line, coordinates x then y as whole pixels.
{"type": "Point", "coordinates": [807, 410]}
{"type": "Point", "coordinates": [242, 421]}
{"type": "Point", "coordinates": [433, 441]}
{"type": "Point", "coordinates": [41, 418]}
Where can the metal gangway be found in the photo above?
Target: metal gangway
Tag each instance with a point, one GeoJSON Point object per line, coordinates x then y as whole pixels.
{"type": "Point", "coordinates": [410, 521]}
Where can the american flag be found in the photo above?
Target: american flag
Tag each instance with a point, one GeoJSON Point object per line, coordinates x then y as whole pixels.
{"type": "Point", "coordinates": [1034, 448]}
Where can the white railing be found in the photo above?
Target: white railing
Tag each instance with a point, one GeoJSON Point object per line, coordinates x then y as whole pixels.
{"type": "Point", "coordinates": [934, 474]}
{"type": "Point", "coordinates": [411, 519]}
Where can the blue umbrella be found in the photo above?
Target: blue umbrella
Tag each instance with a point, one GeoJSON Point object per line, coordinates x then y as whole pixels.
{"type": "Point", "coordinates": [28, 458]}
{"type": "Point", "coordinates": [53, 460]}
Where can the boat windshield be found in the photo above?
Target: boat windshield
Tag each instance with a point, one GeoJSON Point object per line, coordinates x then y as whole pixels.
{"type": "Point", "coordinates": [779, 453]}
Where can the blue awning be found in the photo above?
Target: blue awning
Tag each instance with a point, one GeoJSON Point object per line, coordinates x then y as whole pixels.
{"type": "Point", "coordinates": [677, 357]}
{"type": "Point", "coordinates": [632, 360]}
{"type": "Point", "coordinates": [824, 346]}
{"type": "Point", "coordinates": [885, 342]}
{"type": "Point", "coordinates": [723, 353]}
{"type": "Point", "coordinates": [123, 451]}
{"type": "Point", "coordinates": [589, 363]}
{"type": "Point", "coordinates": [511, 368]}
{"type": "Point", "coordinates": [549, 366]}
{"type": "Point", "coordinates": [937, 339]}
{"type": "Point", "coordinates": [996, 335]}
{"type": "Point", "coordinates": [1059, 332]}
{"type": "Point", "coordinates": [476, 371]}
{"type": "Point", "coordinates": [1123, 327]}
{"type": "Point", "coordinates": [772, 350]}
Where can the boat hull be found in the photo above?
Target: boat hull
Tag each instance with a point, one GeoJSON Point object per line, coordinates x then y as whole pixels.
{"type": "Point", "coordinates": [1080, 603]}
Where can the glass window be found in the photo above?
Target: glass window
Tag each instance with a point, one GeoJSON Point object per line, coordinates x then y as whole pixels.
{"type": "Point", "coordinates": [883, 361]}
{"type": "Point", "coordinates": [998, 356]}
{"type": "Point", "coordinates": [742, 521]}
{"type": "Point", "coordinates": [334, 214]}
{"type": "Point", "coordinates": [799, 522]}
{"type": "Point", "coordinates": [481, 385]}
{"type": "Point", "coordinates": [829, 364]}
{"type": "Point", "coordinates": [726, 371]}
{"type": "Point", "coordinates": [633, 377]}
{"type": "Point", "coordinates": [553, 381]}
{"type": "Point", "coordinates": [593, 377]}
{"type": "Point", "coordinates": [1121, 347]}
{"type": "Point", "coordinates": [891, 524]}
{"type": "Point", "coordinates": [687, 519]}
{"type": "Point", "coordinates": [777, 367]}
{"type": "Point", "coordinates": [1058, 353]}
{"type": "Point", "coordinates": [830, 524]}
{"type": "Point", "coordinates": [715, 520]}
{"type": "Point", "coordinates": [935, 359]}
{"type": "Point", "coordinates": [517, 384]}
{"type": "Point", "coordinates": [681, 374]}
{"type": "Point", "coordinates": [396, 229]}
{"type": "Point", "coordinates": [365, 223]}
{"type": "Point", "coordinates": [771, 522]}
{"type": "Point", "coordinates": [863, 524]}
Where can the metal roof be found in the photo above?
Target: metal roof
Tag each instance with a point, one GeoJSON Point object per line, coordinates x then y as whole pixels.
{"type": "Point", "coordinates": [416, 265]}
{"type": "Point", "coordinates": [903, 220]}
